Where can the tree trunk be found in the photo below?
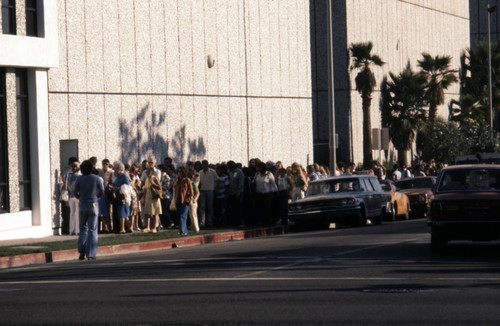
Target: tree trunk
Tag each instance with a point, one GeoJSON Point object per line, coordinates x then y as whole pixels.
{"type": "Point", "coordinates": [432, 112]}
{"type": "Point", "coordinates": [402, 157]}
{"type": "Point", "coordinates": [367, 131]}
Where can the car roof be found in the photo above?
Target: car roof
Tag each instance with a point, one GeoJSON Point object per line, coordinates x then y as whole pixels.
{"type": "Point", "coordinates": [471, 166]}
{"type": "Point", "coordinates": [413, 178]}
{"type": "Point", "coordinates": [340, 177]}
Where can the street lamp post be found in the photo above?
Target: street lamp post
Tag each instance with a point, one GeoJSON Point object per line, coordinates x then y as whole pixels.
{"type": "Point", "coordinates": [331, 111]}
{"type": "Point", "coordinates": [490, 95]}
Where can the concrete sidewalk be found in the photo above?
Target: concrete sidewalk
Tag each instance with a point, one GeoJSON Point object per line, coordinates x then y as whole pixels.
{"type": "Point", "coordinates": [72, 254]}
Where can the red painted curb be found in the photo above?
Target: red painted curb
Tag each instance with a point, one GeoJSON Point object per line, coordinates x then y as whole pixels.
{"type": "Point", "coordinates": [195, 240]}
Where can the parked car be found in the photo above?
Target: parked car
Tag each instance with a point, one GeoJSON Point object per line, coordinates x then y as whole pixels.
{"type": "Point", "coordinates": [418, 190]}
{"type": "Point", "coordinates": [465, 205]}
{"type": "Point", "coordinates": [344, 200]}
{"type": "Point", "coordinates": [399, 201]}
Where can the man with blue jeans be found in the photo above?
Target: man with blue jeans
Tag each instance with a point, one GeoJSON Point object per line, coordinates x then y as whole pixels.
{"type": "Point", "coordinates": [88, 188]}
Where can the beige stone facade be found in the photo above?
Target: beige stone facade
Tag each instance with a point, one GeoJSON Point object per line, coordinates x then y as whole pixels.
{"type": "Point", "coordinates": [125, 79]}
{"type": "Point", "coordinates": [400, 32]}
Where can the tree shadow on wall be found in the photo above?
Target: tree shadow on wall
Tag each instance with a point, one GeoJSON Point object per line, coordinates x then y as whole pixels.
{"type": "Point", "coordinates": [137, 143]}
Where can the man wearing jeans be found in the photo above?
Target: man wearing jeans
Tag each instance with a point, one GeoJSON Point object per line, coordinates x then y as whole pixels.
{"type": "Point", "coordinates": [88, 188]}
{"type": "Point", "coordinates": [206, 201]}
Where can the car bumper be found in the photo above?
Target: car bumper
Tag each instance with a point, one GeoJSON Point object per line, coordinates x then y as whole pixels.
{"type": "Point", "coordinates": [466, 230]}
{"type": "Point", "coordinates": [330, 215]}
{"type": "Point", "coordinates": [418, 209]}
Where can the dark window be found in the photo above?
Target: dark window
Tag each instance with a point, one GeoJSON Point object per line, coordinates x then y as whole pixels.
{"type": "Point", "coordinates": [23, 139]}
{"type": "Point", "coordinates": [9, 16]}
{"type": "Point", "coordinates": [4, 171]}
{"type": "Point", "coordinates": [31, 18]}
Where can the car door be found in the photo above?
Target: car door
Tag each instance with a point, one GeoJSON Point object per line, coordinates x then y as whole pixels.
{"type": "Point", "coordinates": [380, 195]}
{"type": "Point", "coordinates": [369, 195]}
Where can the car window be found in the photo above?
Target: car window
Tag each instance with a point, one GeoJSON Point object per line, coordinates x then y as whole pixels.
{"type": "Point", "coordinates": [368, 185]}
{"type": "Point", "coordinates": [470, 179]}
{"type": "Point", "coordinates": [414, 183]}
{"type": "Point", "coordinates": [375, 184]}
{"type": "Point", "coordinates": [385, 186]}
{"type": "Point", "coordinates": [333, 186]}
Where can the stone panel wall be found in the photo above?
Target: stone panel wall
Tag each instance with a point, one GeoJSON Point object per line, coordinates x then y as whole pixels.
{"type": "Point", "coordinates": [133, 80]}
{"type": "Point", "coordinates": [400, 32]}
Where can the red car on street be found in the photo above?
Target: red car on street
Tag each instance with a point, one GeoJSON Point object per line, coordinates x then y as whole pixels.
{"type": "Point", "coordinates": [465, 205]}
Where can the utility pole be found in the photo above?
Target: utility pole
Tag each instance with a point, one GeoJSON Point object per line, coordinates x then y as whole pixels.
{"type": "Point", "coordinates": [331, 103]}
{"type": "Point", "coordinates": [490, 95]}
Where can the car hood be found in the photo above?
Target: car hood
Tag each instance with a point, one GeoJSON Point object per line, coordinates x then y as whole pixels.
{"type": "Point", "coordinates": [467, 196]}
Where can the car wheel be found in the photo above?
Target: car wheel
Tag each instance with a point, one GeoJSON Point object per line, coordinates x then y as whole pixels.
{"type": "Point", "coordinates": [361, 218]}
{"type": "Point", "coordinates": [438, 241]}
{"type": "Point", "coordinates": [407, 214]}
{"type": "Point", "coordinates": [392, 215]}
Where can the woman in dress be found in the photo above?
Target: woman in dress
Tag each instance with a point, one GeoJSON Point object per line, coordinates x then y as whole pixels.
{"type": "Point", "coordinates": [135, 184]}
{"type": "Point", "coordinates": [152, 205]}
{"type": "Point", "coordinates": [183, 194]}
{"type": "Point", "coordinates": [121, 211]}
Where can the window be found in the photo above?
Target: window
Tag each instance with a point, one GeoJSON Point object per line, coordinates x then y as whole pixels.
{"type": "Point", "coordinates": [23, 139]}
{"type": "Point", "coordinates": [31, 18]}
{"type": "Point", "coordinates": [9, 17]}
{"type": "Point", "coordinates": [4, 175]}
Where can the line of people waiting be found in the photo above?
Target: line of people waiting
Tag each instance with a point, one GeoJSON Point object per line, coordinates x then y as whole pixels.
{"type": "Point", "coordinates": [146, 197]}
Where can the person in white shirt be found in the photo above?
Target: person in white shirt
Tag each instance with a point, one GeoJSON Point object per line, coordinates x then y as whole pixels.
{"type": "Point", "coordinates": [265, 190]}
{"type": "Point", "coordinates": [208, 178]}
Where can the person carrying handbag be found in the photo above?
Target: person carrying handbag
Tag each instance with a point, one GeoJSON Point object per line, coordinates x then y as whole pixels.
{"type": "Point", "coordinates": [152, 204]}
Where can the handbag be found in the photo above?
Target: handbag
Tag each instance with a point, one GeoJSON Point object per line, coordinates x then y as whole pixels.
{"type": "Point", "coordinates": [64, 195]}
{"type": "Point", "coordinates": [171, 207]}
{"type": "Point", "coordinates": [156, 193]}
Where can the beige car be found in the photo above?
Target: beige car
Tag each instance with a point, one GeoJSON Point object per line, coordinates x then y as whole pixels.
{"type": "Point", "coordinates": [400, 201]}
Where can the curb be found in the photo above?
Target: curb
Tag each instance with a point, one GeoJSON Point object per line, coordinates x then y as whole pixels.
{"type": "Point", "coordinates": [72, 254]}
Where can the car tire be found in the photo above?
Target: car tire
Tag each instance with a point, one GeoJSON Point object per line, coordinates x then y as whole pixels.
{"type": "Point", "coordinates": [392, 215]}
{"type": "Point", "coordinates": [407, 214]}
{"type": "Point", "coordinates": [438, 241]}
{"type": "Point", "coordinates": [361, 218]}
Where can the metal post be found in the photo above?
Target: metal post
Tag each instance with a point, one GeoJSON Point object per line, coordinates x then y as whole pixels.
{"type": "Point", "coordinates": [331, 111]}
{"type": "Point", "coordinates": [490, 95]}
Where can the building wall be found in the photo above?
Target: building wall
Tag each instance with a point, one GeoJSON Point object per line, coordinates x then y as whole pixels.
{"type": "Point", "coordinates": [479, 21]}
{"type": "Point", "coordinates": [35, 55]}
{"type": "Point", "coordinates": [133, 81]}
{"type": "Point", "coordinates": [400, 32]}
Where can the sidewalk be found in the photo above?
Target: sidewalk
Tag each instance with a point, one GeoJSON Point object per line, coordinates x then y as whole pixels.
{"type": "Point", "coordinates": [71, 254]}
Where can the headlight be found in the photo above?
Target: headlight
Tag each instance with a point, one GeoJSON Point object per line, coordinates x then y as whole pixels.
{"type": "Point", "coordinates": [348, 201]}
{"type": "Point", "coordinates": [294, 207]}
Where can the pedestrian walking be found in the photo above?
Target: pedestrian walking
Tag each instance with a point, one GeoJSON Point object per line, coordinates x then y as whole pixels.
{"type": "Point", "coordinates": [88, 188]}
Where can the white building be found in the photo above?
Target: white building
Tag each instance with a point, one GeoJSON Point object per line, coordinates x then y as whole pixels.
{"type": "Point", "coordinates": [124, 79]}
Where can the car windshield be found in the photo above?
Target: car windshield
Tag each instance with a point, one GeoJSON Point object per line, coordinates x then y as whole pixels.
{"type": "Point", "coordinates": [333, 186]}
{"type": "Point", "coordinates": [415, 183]}
{"type": "Point", "coordinates": [385, 186]}
{"type": "Point", "coordinates": [470, 179]}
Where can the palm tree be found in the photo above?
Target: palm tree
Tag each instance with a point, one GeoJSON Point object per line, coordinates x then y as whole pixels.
{"type": "Point", "coordinates": [403, 109]}
{"type": "Point", "coordinates": [363, 59]}
{"type": "Point", "coordinates": [439, 77]}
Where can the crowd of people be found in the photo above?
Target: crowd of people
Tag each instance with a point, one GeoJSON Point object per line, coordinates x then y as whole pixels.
{"type": "Point", "coordinates": [146, 197]}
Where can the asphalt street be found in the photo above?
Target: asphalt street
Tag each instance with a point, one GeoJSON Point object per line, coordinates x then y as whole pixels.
{"type": "Point", "coordinates": [373, 275]}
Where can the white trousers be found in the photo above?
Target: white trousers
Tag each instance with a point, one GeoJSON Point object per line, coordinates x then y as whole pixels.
{"type": "Point", "coordinates": [74, 220]}
{"type": "Point", "coordinates": [193, 215]}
